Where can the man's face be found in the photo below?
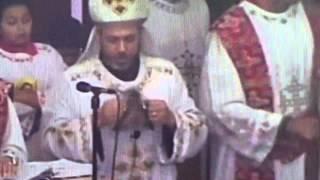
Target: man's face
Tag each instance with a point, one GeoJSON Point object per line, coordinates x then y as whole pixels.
{"type": "Point", "coordinates": [120, 43]}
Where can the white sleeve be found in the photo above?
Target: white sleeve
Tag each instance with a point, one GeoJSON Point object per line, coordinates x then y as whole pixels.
{"type": "Point", "coordinates": [191, 129]}
{"type": "Point", "coordinates": [54, 70]}
{"type": "Point", "coordinates": [58, 61]}
{"type": "Point", "coordinates": [57, 67]}
{"type": "Point", "coordinates": [248, 131]}
{"type": "Point", "coordinates": [13, 143]}
{"type": "Point", "coordinates": [68, 133]}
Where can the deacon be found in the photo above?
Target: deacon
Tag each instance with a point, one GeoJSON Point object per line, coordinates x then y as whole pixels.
{"type": "Point", "coordinates": [258, 90]}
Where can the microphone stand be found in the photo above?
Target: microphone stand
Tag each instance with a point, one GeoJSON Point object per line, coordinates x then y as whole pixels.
{"type": "Point", "coordinates": [96, 134]}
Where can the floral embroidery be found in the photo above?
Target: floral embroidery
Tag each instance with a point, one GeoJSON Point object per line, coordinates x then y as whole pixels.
{"type": "Point", "coordinates": [23, 57]}
{"type": "Point", "coordinates": [85, 137]}
{"type": "Point", "coordinates": [136, 162]}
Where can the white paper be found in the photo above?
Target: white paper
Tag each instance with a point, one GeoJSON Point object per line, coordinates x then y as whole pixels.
{"type": "Point", "coordinates": [62, 168]}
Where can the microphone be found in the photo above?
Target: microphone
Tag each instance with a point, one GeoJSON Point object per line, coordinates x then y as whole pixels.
{"type": "Point", "coordinates": [86, 87]}
{"type": "Point", "coordinates": [136, 134]}
{"type": "Point", "coordinates": [95, 103]}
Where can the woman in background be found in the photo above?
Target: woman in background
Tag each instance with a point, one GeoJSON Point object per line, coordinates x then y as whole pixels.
{"type": "Point", "coordinates": [30, 66]}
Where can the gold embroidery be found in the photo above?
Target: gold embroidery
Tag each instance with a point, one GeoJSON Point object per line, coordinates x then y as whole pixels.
{"type": "Point", "coordinates": [119, 6]}
{"type": "Point", "coordinates": [85, 69]}
{"type": "Point", "coordinates": [60, 139]}
{"type": "Point", "coordinates": [84, 138]}
{"type": "Point", "coordinates": [122, 167]}
{"type": "Point", "coordinates": [51, 130]}
{"type": "Point", "coordinates": [97, 74]}
{"type": "Point", "coordinates": [195, 128]}
{"type": "Point", "coordinates": [147, 165]}
{"type": "Point", "coordinates": [161, 69]}
{"type": "Point", "coordinates": [68, 133]}
{"type": "Point", "coordinates": [137, 162]}
{"type": "Point", "coordinates": [77, 76]}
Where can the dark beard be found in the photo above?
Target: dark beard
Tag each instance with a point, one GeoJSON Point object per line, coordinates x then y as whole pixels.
{"type": "Point", "coordinates": [128, 74]}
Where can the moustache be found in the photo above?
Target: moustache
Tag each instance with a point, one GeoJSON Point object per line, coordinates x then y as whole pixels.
{"type": "Point", "coordinates": [122, 56]}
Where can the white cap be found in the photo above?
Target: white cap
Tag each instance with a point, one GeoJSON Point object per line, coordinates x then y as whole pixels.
{"type": "Point", "coordinates": [104, 11]}
{"type": "Point", "coordinates": [107, 11]}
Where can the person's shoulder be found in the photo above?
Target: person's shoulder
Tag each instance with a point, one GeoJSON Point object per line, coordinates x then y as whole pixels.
{"type": "Point", "coordinates": [82, 70]}
{"type": "Point", "coordinates": [52, 55]}
{"type": "Point", "coordinates": [159, 64]}
{"type": "Point", "coordinates": [45, 48]}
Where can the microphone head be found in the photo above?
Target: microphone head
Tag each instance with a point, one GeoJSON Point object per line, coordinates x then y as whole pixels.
{"type": "Point", "coordinates": [111, 91]}
{"type": "Point", "coordinates": [86, 87]}
{"type": "Point", "coordinates": [83, 86]}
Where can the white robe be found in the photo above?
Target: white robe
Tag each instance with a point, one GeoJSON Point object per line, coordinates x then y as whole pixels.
{"type": "Point", "coordinates": [288, 49]}
{"type": "Point", "coordinates": [41, 68]}
{"type": "Point", "coordinates": [13, 144]}
{"type": "Point", "coordinates": [69, 132]}
{"type": "Point", "coordinates": [177, 32]}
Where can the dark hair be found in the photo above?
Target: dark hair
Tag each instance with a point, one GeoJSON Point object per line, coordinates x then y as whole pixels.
{"type": "Point", "coordinates": [70, 36]}
{"type": "Point", "coordinates": [4, 4]}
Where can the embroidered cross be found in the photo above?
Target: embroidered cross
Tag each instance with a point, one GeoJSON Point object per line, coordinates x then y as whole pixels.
{"type": "Point", "coordinates": [293, 96]}
{"type": "Point", "coordinates": [189, 69]}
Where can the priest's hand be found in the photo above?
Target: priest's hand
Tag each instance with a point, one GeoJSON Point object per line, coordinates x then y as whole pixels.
{"type": "Point", "coordinates": [160, 114]}
{"type": "Point", "coordinates": [7, 168]}
{"type": "Point", "coordinates": [305, 125]}
{"type": "Point", "coordinates": [108, 113]}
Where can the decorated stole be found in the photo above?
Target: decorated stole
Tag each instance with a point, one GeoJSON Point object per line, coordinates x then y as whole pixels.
{"type": "Point", "coordinates": [4, 109]}
{"type": "Point", "coordinates": [243, 46]}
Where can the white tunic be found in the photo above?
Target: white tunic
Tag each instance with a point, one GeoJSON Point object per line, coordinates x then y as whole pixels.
{"type": "Point", "coordinates": [69, 132]}
{"type": "Point", "coordinates": [177, 32]}
{"type": "Point", "coordinates": [41, 68]}
{"type": "Point", "coordinates": [13, 143]}
{"type": "Point", "coordinates": [287, 43]}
